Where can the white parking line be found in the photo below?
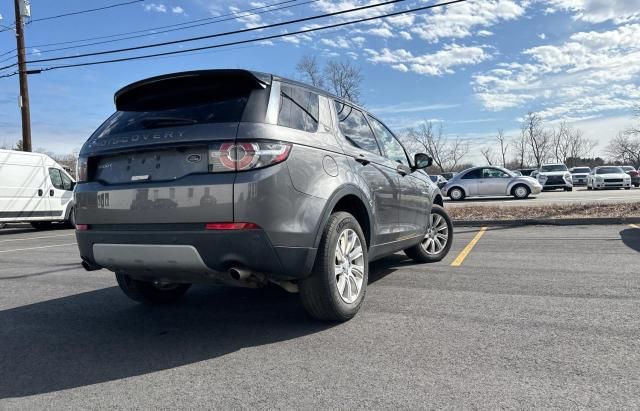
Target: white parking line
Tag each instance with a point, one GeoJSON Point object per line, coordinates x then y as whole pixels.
{"type": "Point", "coordinates": [35, 248]}
{"type": "Point", "coordinates": [36, 238]}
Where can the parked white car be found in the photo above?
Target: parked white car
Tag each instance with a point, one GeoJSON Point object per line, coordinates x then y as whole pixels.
{"type": "Point", "coordinates": [35, 189]}
{"type": "Point", "coordinates": [579, 175]}
{"type": "Point", "coordinates": [555, 176]}
{"type": "Point", "coordinates": [608, 177]}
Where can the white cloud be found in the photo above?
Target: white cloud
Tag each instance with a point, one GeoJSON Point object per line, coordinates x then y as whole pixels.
{"type": "Point", "coordinates": [157, 7]}
{"type": "Point", "coordinates": [177, 10]}
{"type": "Point", "coordinates": [485, 33]}
{"type": "Point", "coordinates": [459, 20]}
{"type": "Point", "coordinates": [542, 36]}
{"type": "Point", "coordinates": [411, 108]}
{"type": "Point", "coordinates": [405, 35]}
{"type": "Point", "coordinates": [435, 64]}
{"type": "Point", "coordinates": [249, 20]}
{"type": "Point", "coordinates": [590, 74]}
{"type": "Point", "coordinates": [598, 11]}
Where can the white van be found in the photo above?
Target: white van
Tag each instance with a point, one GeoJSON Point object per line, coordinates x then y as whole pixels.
{"type": "Point", "coordinates": [34, 188]}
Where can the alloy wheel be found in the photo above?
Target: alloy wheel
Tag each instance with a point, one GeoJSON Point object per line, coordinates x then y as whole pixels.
{"type": "Point", "coordinates": [521, 192]}
{"type": "Point", "coordinates": [349, 266]}
{"type": "Point", "coordinates": [437, 235]}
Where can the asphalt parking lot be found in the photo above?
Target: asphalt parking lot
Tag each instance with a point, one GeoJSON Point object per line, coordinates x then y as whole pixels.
{"type": "Point", "coordinates": [514, 317]}
{"type": "Point", "coordinates": [578, 195]}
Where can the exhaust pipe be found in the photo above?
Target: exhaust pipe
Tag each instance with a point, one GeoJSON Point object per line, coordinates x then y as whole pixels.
{"type": "Point", "coordinates": [90, 267]}
{"type": "Point", "coordinates": [239, 273]}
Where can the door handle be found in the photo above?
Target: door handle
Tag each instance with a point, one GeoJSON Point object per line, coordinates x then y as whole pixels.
{"type": "Point", "coordinates": [402, 170]}
{"type": "Point", "coordinates": [362, 159]}
{"type": "Point", "coordinates": [40, 192]}
{"type": "Point", "coordinates": [51, 193]}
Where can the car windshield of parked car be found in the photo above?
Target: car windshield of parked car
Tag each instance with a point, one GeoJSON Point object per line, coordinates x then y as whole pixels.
{"type": "Point", "coordinates": [553, 167]}
{"type": "Point", "coordinates": [609, 170]}
{"type": "Point", "coordinates": [628, 168]}
{"type": "Point", "coordinates": [581, 170]}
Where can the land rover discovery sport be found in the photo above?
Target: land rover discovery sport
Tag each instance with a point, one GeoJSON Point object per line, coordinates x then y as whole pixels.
{"type": "Point", "coordinates": [243, 178]}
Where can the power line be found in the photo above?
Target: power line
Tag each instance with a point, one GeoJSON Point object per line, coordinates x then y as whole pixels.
{"type": "Point", "coordinates": [228, 33]}
{"type": "Point", "coordinates": [167, 26]}
{"type": "Point", "coordinates": [172, 30]}
{"type": "Point", "coordinates": [275, 36]}
{"type": "Point", "coordinates": [86, 11]}
{"type": "Point", "coordinates": [154, 30]}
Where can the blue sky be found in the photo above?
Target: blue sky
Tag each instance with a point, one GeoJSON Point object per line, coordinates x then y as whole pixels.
{"type": "Point", "coordinates": [476, 67]}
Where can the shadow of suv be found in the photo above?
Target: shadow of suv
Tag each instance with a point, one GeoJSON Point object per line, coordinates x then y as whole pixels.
{"type": "Point", "coordinates": [244, 178]}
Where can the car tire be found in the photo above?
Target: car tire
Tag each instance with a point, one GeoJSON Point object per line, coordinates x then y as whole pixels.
{"type": "Point", "coordinates": [328, 294]}
{"type": "Point", "coordinates": [42, 225]}
{"type": "Point", "coordinates": [568, 189]}
{"type": "Point", "coordinates": [627, 188]}
{"type": "Point", "coordinates": [520, 192]}
{"type": "Point", "coordinates": [428, 250]}
{"type": "Point", "coordinates": [456, 194]}
{"type": "Point", "coordinates": [146, 292]}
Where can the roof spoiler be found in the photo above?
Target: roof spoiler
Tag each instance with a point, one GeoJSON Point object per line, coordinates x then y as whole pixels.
{"type": "Point", "coordinates": [131, 93]}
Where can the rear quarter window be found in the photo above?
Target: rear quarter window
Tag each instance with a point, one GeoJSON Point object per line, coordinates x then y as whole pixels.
{"type": "Point", "coordinates": [299, 108]}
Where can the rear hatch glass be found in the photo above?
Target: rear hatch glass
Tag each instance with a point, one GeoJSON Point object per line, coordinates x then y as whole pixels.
{"type": "Point", "coordinates": [163, 126]}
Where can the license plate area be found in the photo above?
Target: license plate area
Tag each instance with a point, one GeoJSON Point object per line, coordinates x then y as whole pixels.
{"type": "Point", "coordinates": [151, 165]}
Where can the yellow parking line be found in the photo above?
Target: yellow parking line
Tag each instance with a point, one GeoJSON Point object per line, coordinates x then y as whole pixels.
{"type": "Point", "coordinates": [634, 226]}
{"type": "Point", "coordinates": [464, 253]}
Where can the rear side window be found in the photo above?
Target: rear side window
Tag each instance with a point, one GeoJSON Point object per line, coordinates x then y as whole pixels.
{"type": "Point", "coordinates": [299, 108]}
{"type": "Point", "coordinates": [355, 129]}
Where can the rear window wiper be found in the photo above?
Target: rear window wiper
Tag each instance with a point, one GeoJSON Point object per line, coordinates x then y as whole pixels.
{"type": "Point", "coordinates": [151, 122]}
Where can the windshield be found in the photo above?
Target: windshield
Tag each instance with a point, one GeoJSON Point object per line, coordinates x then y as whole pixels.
{"type": "Point", "coordinates": [583, 170]}
{"type": "Point", "coordinates": [628, 168]}
{"type": "Point", "coordinates": [553, 167]}
{"type": "Point", "coordinates": [609, 170]}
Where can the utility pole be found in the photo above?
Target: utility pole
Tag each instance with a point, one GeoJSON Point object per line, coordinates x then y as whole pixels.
{"type": "Point", "coordinates": [22, 74]}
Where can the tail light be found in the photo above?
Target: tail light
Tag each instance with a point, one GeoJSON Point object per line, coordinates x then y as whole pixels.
{"type": "Point", "coordinates": [231, 226]}
{"type": "Point", "coordinates": [244, 155]}
{"type": "Point", "coordinates": [634, 173]}
{"type": "Point", "coordinates": [82, 169]}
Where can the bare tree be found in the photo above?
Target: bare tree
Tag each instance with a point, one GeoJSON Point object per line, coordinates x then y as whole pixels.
{"type": "Point", "coordinates": [309, 68]}
{"type": "Point", "coordinates": [344, 79]}
{"type": "Point", "coordinates": [504, 146]}
{"type": "Point", "coordinates": [19, 146]}
{"type": "Point", "coordinates": [446, 153]}
{"type": "Point", "coordinates": [487, 153]}
{"type": "Point", "coordinates": [521, 149]}
{"type": "Point", "coordinates": [538, 139]}
{"type": "Point", "coordinates": [625, 148]}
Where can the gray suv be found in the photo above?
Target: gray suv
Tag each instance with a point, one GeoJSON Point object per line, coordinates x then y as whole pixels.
{"type": "Point", "coordinates": [243, 178]}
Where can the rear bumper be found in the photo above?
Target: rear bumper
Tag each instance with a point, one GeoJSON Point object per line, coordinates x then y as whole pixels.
{"type": "Point", "coordinates": [191, 254]}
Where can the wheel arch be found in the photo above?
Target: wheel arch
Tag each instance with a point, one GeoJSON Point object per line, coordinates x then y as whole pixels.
{"type": "Point", "coordinates": [352, 200]}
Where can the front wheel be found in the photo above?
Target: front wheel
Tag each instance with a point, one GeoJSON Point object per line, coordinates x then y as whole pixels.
{"type": "Point", "coordinates": [150, 293]}
{"type": "Point", "coordinates": [456, 194]}
{"type": "Point", "coordinates": [335, 289]}
{"type": "Point", "coordinates": [437, 242]}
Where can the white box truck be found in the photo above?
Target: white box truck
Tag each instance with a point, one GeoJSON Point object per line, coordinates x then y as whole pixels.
{"type": "Point", "coordinates": [35, 189]}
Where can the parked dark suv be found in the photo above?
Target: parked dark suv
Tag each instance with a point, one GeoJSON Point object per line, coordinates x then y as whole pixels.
{"type": "Point", "coordinates": [244, 178]}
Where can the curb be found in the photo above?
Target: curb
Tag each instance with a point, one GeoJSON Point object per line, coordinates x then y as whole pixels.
{"type": "Point", "coordinates": [548, 221]}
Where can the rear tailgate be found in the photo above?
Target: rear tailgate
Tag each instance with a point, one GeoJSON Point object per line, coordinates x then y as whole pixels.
{"type": "Point", "coordinates": [148, 164]}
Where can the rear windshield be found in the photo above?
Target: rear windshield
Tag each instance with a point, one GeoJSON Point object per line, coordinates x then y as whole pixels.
{"type": "Point", "coordinates": [553, 167]}
{"type": "Point", "coordinates": [581, 170]}
{"type": "Point", "coordinates": [609, 170]}
{"type": "Point", "coordinates": [176, 103]}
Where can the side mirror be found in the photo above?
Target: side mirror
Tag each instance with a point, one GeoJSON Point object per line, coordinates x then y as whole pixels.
{"type": "Point", "coordinates": [421, 161]}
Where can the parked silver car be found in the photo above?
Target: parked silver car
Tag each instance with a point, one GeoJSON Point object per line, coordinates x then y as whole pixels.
{"type": "Point", "coordinates": [490, 181]}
